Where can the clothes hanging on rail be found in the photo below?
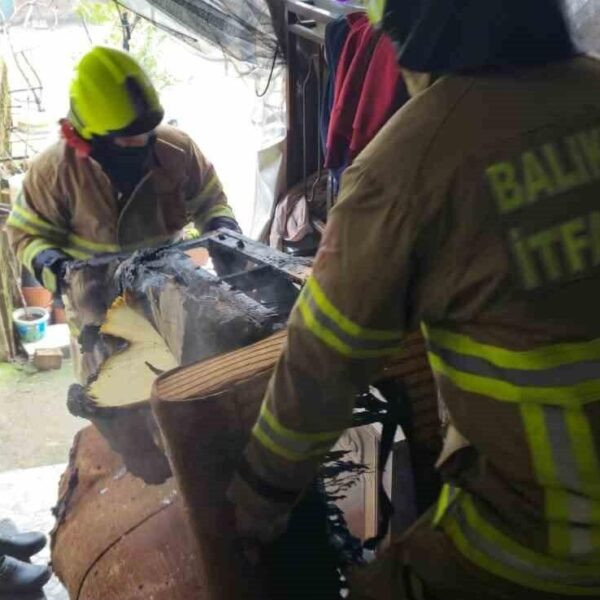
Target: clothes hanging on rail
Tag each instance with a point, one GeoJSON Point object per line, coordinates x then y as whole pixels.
{"type": "Point", "coordinates": [368, 90]}
{"type": "Point", "coordinates": [336, 33]}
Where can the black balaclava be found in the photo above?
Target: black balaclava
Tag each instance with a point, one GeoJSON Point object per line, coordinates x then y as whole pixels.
{"type": "Point", "coordinates": [124, 165]}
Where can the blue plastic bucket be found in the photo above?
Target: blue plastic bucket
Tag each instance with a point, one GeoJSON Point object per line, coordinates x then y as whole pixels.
{"type": "Point", "coordinates": [31, 324]}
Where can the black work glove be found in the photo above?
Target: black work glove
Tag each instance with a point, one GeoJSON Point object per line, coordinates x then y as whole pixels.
{"type": "Point", "coordinates": [222, 223]}
{"type": "Point", "coordinates": [225, 263]}
{"type": "Point", "coordinates": [56, 262]}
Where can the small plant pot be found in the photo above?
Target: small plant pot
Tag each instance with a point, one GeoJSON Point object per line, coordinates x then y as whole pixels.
{"type": "Point", "coordinates": [37, 296]}
{"type": "Point", "coordinates": [31, 323]}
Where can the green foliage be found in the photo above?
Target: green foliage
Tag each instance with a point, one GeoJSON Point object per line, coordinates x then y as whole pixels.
{"type": "Point", "coordinates": [145, 46]}
{"type": "Point", "coordinates": [145, 38]}
{"type": "Point", "coordinates": [97, 12]}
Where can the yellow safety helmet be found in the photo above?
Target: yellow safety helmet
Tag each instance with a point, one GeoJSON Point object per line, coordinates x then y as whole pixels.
{"type": "Point", "coordinates": [112, 95]}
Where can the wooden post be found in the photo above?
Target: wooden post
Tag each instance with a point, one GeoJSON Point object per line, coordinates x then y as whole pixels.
{"type": "Point", "coordinates": [8, 283]}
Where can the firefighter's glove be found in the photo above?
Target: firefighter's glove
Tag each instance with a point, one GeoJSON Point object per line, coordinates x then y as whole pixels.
{"type": "Point", "coordinates": [50, 268]}
{"type": "Point", "coordinates": [222, 223]}
{"type": "Point", "coordinates": [225, 262]}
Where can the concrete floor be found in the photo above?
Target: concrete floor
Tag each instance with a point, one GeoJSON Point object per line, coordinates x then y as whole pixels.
{"type": "Point", "coordinates": [27, 497]}
{"type": "Point", "coordinates": [35, 427]}
{"type": "Point", "coordinates": [36, 433]}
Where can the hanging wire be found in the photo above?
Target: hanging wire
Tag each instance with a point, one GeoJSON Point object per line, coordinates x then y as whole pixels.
{"type": "Point", "coordinates": [175, 32]}
{"type": "Point", "coordinates": [304, 127]}
{"type": "Point", "coordinates": [271, 71]}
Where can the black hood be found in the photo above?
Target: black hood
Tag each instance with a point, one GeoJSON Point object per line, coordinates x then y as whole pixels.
{"type": "Point", "coordinates": [455, 35]}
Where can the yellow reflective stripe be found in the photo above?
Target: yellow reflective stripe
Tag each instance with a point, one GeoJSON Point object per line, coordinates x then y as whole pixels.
{"type": "Point", "coordinates": [526, 554]}
{"type": "Point", "coordinates": [343, 322]}
{"type": "Point", "coordinates": [556, 506]}
{"type": "Point", "coordinates": [49, 279]}
{"type": "Point", "coordinates": [565, 463]}
{"type": "Point", "coordinates": [584, 449]}
{"type": "Point", "coordinates": [32, 250]}
{"type": "Point", "coordinates": [540, 447]}
{"type": "Point", "coordinates": [321, 332]}
{"type": "Point", "coordinates": [331, 339]}
{"type": "Point", "coordinates": [210, 187]}
{"type": "Point", "coordinates": [584, 538]}
{"type": "Point", "coordinates": [218, 210]}
{"type": "Point", "coordinates": [596, 536]}
{"type": "Point", "coordinates": [202, 219]}
{"type": "Point", "coordinates": [376, 10]}
{"type": "Point", "coordinates": [286, 448]}
{"type": "Point", "coordinates": [545, 357]}
{"type": "Point", "coordinates": [77, 254]}
{"type": "Point", "coordinates": [571, 395]}
{"type": "Point", "coordinates": [17, 222]}
{"type": "Point", "coordinates": [292, 445]}
{"type": "Point", "coordinates": [338, 332]}
{"type": "Point", "coordinates": [275, 448]}
{"type": "Point", "coordinates": [483, 555]}
{"type": "Point", "coordinates": [558, 539]}
{"type": "Point", "coordinates": [274, 423]}
{"type": "Point", "coordinates": [34, 220]}
{"type": "Point", "coordinates": [539, 444]}
{"type": "Point", "coordinates": [559, 500]}
{"type": "Point", "coordinates": [443, 504]}
{"type": "Point", "coordinates": [78, 242]}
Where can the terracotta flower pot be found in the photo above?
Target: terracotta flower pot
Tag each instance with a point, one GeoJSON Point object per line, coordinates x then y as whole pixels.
{"type": "Point", "coordinates": [38, 296]}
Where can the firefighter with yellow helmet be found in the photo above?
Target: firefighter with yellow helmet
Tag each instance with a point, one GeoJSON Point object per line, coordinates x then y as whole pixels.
{"type": "Point", "coordinates": [481, 196]}
{"type": "Point", "coordinates": [117, 181]}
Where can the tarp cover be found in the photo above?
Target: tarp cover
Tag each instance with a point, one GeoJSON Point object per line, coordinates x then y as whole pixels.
{"type": "Point", "coordinates": [242, 30]}
{"type": "Point", "coordinates": [247, 31]}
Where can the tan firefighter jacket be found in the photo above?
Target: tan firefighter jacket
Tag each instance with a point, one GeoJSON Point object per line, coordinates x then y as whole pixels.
{"type": "Point", "coordinates": [474, 214]}
{"type": "Point", "coordinates": [69, 203]}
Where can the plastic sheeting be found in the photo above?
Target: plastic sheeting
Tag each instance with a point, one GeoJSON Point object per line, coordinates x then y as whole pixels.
{"type": "Point", "coordinates": [585, 18]}
{"type": "Point", "coordinates": [249, 32]}
{"type": "Point", "coordinates": [242, 30]}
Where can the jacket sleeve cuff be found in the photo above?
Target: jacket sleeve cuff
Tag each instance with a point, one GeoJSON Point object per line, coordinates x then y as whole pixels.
{"type": "Point", "coordinates": [47, 267]}
{"type": "Point", "coordinates": [259, 497]}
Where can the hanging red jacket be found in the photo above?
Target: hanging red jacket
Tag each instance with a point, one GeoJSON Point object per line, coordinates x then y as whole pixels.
{"type": "Point", "coordinates": [368, 90]}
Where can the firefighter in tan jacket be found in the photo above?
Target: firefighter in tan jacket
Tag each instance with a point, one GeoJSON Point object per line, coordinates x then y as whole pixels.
{"type": "Point", "coordinates": [475, 214]}
{"type": "Point", "coordinates": [118, 180]}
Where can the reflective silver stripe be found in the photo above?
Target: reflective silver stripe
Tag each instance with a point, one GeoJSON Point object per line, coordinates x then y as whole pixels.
{"type": "Point", "coordinates": [579, 508]}
{"type": "Point", "coordinates": [581, 541]}
{"type": "Point", "coordinates": [563, 375]}
{"type": "Point", "coordinates": [354, 342]}
{"type": "Point", "coordinates": [497, 553]}
{"type": "Point", "coordinates": [562, 450]}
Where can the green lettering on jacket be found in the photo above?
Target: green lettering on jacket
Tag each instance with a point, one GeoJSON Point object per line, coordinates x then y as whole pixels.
{"type": "Point", "coordinates": [563, 252]}
{"type": "Point", "coordinates": [544, 172]}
